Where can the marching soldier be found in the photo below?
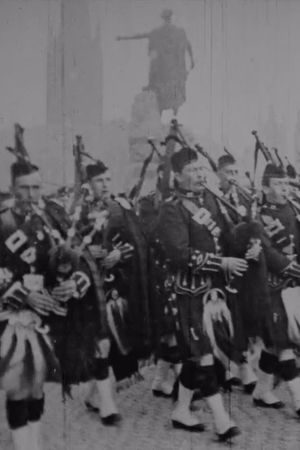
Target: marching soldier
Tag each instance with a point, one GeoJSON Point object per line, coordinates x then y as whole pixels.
{"type": "Point", "coordinates": [166, 353]}
{"type": "Point", "coordinates": [120, 249]}
{"type": "Point", "coordinates": [190, 233]}
{"type": "Point", "coordinates": [228, 174]}
{"type": "Point", "coordinates": [33, 299]}
{"type": "Point", "coordinates": [281, 248]}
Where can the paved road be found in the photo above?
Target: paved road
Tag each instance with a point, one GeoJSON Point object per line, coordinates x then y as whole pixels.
{"type": "Point", "coordinates": [146, 424]}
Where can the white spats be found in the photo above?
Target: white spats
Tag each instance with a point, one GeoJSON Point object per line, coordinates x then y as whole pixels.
{"type": "Point", "coordinates": [294, 389]}
{"type": "Point", "coordinates": [161, 382]}
{"type": "Point", "coordinates": [222, 420]}
{"type": "Point", "coordinates": [182, 412]}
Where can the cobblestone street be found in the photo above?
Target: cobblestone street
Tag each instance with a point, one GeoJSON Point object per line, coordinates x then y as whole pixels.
{"type": "Point", "coordinates": [146, 424]}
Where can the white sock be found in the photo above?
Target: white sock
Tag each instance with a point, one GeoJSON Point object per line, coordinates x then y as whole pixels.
{"type": "Point", "coordinates": [35, 435]}
{"type": "Point", "coordinates": [20, 438]}
{"type": "Point", "coordinates": [294, 388]}
{"type": "Point", "coordinates": [264, 388]}
{"type": "Point", "coordinates": [221, 418]}
{"type": "Point", "coordinates": [92, 395]}
{"type": "Point", "coordinates": [161, 378]}
{"type": "Point", "coordinates": [182, 412]}
{"type": "Point", "coordinates": [107, 402]}
{"type": "Point", "coordinates": [247, 374]}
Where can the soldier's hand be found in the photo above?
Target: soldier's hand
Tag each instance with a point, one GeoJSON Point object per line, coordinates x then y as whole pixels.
{"type": "Point", "coordinates": [104, 347]}
{"type": "Point", "coordinates": [234, 266]}
{"type": "Point", "coordinates": [125, 249]}
{"type": "Point", "coordinates": [292, 257]}
{"type": "Point", "coordinates": [112, 258]}
{"type": "Point", "coordinates": [41, 302]}
{"type": "Point", "coordinates": [64, 291]}
{"type": "Point", "coordinates": [59, 309]}
{"type": "Point", "coordinates": [97, 251]}
{"type": "Point", "coordinates": [254, 251]}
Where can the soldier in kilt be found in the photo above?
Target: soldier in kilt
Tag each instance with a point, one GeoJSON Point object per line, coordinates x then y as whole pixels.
{"type": "Point", "coordinates": [35, 300]}
{"type": "Point", "coordinates": [121, 253]}
{"type": "Point", "coordinates": [190, 235]}
{"type": "Point", "coordinates": [166, 353]}
{"type": "Point", "coordinates": [228, 173]}
{"type": "Point", "coordinates": [280, 332]}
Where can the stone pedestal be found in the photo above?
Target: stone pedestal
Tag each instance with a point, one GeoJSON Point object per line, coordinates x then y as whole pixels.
{"type": "Point", "coordinates": [74, 81]}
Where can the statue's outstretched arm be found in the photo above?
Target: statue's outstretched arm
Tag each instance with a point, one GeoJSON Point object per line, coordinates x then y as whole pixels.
{"type": "Point", "coordinates": [134, 36]}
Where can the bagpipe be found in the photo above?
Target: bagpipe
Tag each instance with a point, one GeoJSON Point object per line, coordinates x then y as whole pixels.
{"type": "Point", "coordinates": [37, 236]}
{"type": "Point", "coordinates": [163, 158]}
{"type": "Point", "coordinates": [135, 191]}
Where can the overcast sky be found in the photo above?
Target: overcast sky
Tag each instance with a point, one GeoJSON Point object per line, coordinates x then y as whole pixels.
{"type": "Point", "coordinates": [247, 63]}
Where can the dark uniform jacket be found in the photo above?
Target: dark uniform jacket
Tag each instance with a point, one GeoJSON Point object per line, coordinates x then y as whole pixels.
{"type": "Point", "coordinates": [281, 241]}
{"type": "Point", "coordinates": [129, 276]}
{"type": "Point", "coordinates": [192, 250]}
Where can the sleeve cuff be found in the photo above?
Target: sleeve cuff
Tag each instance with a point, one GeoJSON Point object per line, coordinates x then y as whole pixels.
{"type": "Point", "coordinates": [16, 295]}
{"type": "Point", "coordinates": [292, 270]}
{"type": "Point", "coordinates": [205, 261]}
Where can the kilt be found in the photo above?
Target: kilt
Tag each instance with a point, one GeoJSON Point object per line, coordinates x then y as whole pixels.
{"type": "Point", "coordinates": [187, 314]}
{"type": "Point", "coordinates": [275, 330]}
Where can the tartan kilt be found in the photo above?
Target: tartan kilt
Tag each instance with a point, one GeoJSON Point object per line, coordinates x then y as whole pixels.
{"type": "Point", "coordinates": [275, 330]}
{"type": "Point", "coordinates": [187, 319]}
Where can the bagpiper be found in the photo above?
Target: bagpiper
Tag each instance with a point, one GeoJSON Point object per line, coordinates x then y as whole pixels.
{"type": "Point", "coordinates": [166, 354]}
{"type": "Point", "coordinates": [282, 251]}
{"type": "Point", "coordinates": [35, 298]}
{"type": "Point", "coordinates": [228, 173]}
{"type": "Point", "coordinates": [190, 233]}
{"type": "Point", "coordinates": [121, 251]}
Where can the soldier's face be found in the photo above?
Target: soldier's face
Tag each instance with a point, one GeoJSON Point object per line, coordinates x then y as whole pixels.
{"type": "Point", "coordinates": [228, 176]}
{"type": "Point", "coordinates": [278, 190]}
{"type": "Point", "coordinates": [101, 185]}
{"type": "Point", "coordinates": [191, 177]}
{"type": "Point", "coordinates": [27, 190]}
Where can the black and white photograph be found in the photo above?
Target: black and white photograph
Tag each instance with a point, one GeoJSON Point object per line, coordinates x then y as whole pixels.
{"type": "Point", "coordinates": [149, 224]}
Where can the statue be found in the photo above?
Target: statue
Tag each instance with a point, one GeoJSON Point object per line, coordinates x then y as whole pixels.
{"type": "Point", "coordinates": [167, 48]}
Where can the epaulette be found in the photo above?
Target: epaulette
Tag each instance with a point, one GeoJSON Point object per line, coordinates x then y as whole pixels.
{"type": "Point", "coordinates": [123, 202]}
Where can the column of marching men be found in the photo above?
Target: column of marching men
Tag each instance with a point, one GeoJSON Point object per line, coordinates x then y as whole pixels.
{"type": "Point", "coordinates": [192, 277]}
